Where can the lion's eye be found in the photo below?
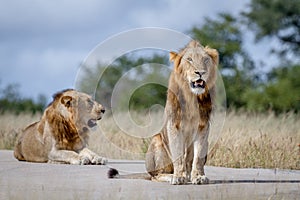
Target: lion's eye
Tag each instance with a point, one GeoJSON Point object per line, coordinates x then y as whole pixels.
{"type": "Point", "coordinates": [189, 59]}
{"type": "Point", "coordinates": [206, 61]}
{"type": "Point", "coordinates": [90, 103]}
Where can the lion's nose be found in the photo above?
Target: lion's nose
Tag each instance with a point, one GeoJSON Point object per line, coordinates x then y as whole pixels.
{"type": "Point", "coordinates": [200, 73]}
{"type": "Point", "coordinates": [102, 110]}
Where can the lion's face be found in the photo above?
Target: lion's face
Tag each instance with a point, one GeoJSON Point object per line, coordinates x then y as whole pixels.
{"type": "Point", "coordinates": [197, 66]}
{"type": "Point", "coordinates": [81, 108]}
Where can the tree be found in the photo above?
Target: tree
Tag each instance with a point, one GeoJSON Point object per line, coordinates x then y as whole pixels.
{"type": "Point", "coordinates": [278, 18]}
{"type": "Point", "coordinates": [283, 88]}
{"type": "Point", "coordinates": [280, 94]}
{"type": "Point", "coordinates": [102, 79]}
{"type": "Point", "coordinates": [11, 101]}
{"type": "Point", "coordinates": [237, 68]}
{"type": "Point", "coordinates": [11, 92]}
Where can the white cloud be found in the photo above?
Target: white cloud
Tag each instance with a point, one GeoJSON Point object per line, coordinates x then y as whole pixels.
{"type": "Point", "coordinates": [182, 15]}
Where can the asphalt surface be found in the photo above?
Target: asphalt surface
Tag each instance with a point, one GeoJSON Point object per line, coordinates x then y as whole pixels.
{"type": "Point", "coordinates": [23, 180]}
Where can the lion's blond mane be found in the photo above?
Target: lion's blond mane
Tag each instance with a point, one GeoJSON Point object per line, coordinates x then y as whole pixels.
{"type": "Point", "coordinates": [61, 136]}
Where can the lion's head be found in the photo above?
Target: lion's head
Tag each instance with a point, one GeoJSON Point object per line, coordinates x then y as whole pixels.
{"type": "Point", "coordinates": [197, 65]}
{"type": "Point", "coordinates": [73, 111]}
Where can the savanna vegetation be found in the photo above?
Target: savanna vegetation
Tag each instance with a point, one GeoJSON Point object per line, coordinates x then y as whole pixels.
{"type": "Point", "coordinates": [262, 140]}
{"type": "Point", "coordinates": [262, 127]}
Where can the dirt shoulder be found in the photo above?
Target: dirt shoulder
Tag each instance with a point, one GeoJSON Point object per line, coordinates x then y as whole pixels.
{"type": "Point", "coordinates": [22, 180]}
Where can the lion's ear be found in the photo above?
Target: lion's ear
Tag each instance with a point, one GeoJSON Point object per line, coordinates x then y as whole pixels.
{"type": "Point", "coordinates": [66, 100]}
{"type": "Point", "coordinates": [213, 54]}
{"type": "Point", "coordinates": [176, 58]}
{"type": "Point", "coordinates": [194, 44]}
{"type": "Point", "coordinates": [172, 55]}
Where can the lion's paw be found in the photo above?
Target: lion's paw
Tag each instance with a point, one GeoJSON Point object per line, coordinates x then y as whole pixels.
{"type": "Point", "coordinates": [97, 160]}
{"type": "Point", "coordinates": [84, 161]}
{"type": "Point", "coordinates": [178, 180]}
{"type": "Point", "coordinates": [75, 162]}
{"type": "Point", "coordinates": [200, 180]}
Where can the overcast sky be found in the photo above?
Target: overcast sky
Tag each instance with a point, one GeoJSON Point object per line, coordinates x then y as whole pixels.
{"type": "Point", "coordinates": [42, 43]}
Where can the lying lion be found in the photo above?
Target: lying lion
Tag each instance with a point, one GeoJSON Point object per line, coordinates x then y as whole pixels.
{"type": "Point", "coordinates": [178, 153]}
{"type": "Point", "coordinates": [62, 134]}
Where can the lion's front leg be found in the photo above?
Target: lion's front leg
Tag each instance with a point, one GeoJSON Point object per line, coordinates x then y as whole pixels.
{"type": "Point", "coordinates": [178, 153]}
{"type": "Point", "coordinates": [66, 156]}
{"type": "Point", "coordinates": [180, 175]}
{"type": "Point", "coordinates": [199, 160]}
{"type": "Point", "coordinates": [93, 157]}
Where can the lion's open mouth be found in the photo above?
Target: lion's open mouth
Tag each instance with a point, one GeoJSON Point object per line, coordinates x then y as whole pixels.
{"type": "Point", "coordinates": [92, 123]}
{"type": "Point", "coordinates": [200, 83]}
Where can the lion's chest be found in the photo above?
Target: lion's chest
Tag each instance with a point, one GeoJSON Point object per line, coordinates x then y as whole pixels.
{"type": "Point", "coordinates": [187, 117]}
{"type": "Point", "coordinates": [192, 124]}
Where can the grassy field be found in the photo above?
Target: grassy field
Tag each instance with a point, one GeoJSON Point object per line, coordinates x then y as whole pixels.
{"type": "Point", "coordinates": [246, 140]}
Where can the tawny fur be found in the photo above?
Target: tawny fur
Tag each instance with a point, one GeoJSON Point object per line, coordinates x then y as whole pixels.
{"type": "Point", "coordinates": [178, 153]}
{"type": "Point", "coordinates": [61, 136]}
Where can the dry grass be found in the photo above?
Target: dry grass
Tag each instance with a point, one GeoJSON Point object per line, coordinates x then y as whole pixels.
{"type": "Point", "coordinates": [125, 140]}
{"type": "Point", "coordinates": [258, 141]}
{"type": "Point", "coordinates": [11, 125]}
{"type": "Point", "coordinates": [246, 140]}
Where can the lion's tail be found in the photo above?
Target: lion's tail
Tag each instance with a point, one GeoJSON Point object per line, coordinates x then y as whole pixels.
{"type": "Point", "coordinates": [113, 173]}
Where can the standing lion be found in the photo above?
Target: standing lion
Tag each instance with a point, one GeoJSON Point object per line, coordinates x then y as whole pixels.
{"type": "Point", "coordinates": [61, 136]}
{"type": "Point", "coordinates": [178, 153]}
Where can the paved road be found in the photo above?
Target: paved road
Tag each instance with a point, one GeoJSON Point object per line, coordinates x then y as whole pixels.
{"type": "Point", "coordinates": [22, 180]}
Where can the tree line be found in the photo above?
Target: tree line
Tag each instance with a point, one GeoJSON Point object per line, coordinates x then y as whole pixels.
{"type": "Point", "coordinates": [12, 102]}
